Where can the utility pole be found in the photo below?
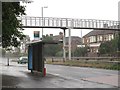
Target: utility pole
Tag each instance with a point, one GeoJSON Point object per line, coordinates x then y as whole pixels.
{"type": "Point", "coordinates": [42, 18]}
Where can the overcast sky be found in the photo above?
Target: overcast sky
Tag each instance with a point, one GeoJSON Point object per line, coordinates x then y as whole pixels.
{"type": "Point", "coordinates": [81, 9]}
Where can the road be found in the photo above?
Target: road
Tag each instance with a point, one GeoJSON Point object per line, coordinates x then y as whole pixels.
{"type": "Point", "coordinates": [109, 77]}
{"type": "Point", "coordinates": [17, 75]}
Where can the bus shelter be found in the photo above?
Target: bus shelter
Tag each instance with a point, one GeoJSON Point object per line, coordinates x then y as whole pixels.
{"type": "Point", "coordinates": [36, 56]}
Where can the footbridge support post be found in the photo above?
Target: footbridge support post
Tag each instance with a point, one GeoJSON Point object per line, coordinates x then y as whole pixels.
{"type": "Point", "coordinates": [69, 46]}
{"type": "Point", "coordinates": [64, 44]}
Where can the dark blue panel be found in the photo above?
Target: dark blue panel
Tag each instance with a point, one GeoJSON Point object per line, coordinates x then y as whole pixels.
{"type": "Point", "coordinates": [30, 58]}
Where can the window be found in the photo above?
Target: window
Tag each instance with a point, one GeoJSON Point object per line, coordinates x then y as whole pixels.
{"type": "Point", "coordinates": [106, 37]}
{"type": "Point", "coordinates": [83, 40]}
{"type": "Point", "coordinates": [110, 37]}
{"type": "Point", "coordinates": [92, 39]}
{"type": "Point", "coordinates": [87, 40]}
{"type": "Point", "coordinates": [99, 38]}
{"type": "Point", "coordinates": [97, 50]}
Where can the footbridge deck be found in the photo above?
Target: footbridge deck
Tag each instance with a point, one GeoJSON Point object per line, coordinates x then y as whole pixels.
{"type": "Point", "coordinates": [50, 22]}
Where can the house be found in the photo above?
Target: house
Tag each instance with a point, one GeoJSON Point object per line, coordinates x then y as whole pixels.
{"type": "Point", "coordinates": [57, 37]}
{"type": "Point", "coordinates": [94, 39]}
{"type": "Point", "coordinates": [75, 40]}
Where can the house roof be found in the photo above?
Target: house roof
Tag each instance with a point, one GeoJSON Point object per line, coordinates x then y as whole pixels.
{"type": "Point", "coordinates": [74, 38]}
{"type": "Point", "coordinates": [57, 37]}
{"type": "Point", "coordinates": [99, 32]}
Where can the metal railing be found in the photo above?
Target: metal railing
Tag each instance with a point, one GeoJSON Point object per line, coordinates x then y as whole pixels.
{"type": "Point", "coordinates": [50, 22]}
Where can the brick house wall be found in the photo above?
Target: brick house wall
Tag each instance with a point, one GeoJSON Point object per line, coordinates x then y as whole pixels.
{"type": "Point", "coordinates": [94, 38]}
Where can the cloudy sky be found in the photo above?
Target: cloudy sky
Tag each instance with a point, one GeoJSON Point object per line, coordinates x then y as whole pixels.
{"type": "Point", "coordinates": [81, 9]}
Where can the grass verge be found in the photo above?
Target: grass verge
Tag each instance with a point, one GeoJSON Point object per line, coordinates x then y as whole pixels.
{"type": "Point", "coordinates": [92, 64]}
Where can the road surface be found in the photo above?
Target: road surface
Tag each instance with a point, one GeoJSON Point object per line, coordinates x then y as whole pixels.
{"type": "Point", "coordinates": [17, 75]}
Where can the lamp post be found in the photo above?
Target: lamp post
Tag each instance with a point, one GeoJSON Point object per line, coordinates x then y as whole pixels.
{"type": "Point", "coordinates": [42, 18]}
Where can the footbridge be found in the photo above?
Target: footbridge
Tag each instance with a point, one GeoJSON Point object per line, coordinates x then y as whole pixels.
{"type": "Point", "coordinates": [66, 23]}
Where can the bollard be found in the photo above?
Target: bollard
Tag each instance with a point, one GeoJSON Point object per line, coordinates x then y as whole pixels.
{"type": "Point", "coordinates": [44, 72]}
{"type": "Point", "coordinates": [32, 71]}
{"type": "Point", "coordinates": [8, 61]}
{"type": "Point", "coordinates": [52, 60]}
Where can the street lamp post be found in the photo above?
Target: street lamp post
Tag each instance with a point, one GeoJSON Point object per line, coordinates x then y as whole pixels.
{"type": "Point", "coordinates": [42, 18]}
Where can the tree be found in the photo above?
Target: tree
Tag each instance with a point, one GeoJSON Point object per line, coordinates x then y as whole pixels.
{"type": "Point", "coordinates": [81, 51]}
{"type": "Point", "coordinates": [109, 47]}
{"type": "Point", "coordinates": [11, 27]}
{"type": "Point", "coordinates": [119, 41]}
{"type": "Point", "coordinates": [51, 49]}
{"type": "Point", "coordinates": [3, 52]}
{"type": "Point", "coordinates": [47, 38]}
{"type": "Point", "coordinates": [59, 54]}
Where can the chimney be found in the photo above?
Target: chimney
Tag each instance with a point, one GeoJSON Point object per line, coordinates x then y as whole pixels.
{"type": "Point", "coordinates": [51, 35]}
{"type": "Point", "coordinates": [47, 35]}
{"type": "Point", "coordinates": [60, 33]}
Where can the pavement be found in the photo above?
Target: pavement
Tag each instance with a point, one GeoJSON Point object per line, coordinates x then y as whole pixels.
{"type": "Point", "coordinates": [18, 76]}
{"type": "Point", "coordinates": [110, 80]}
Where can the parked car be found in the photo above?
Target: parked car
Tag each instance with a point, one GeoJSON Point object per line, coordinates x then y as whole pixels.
{"type": "Point", "coordinates": [23, 60]}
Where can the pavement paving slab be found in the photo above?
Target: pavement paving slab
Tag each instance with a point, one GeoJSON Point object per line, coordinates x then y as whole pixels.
{"type": "Point", "coordinates": [110, 80]}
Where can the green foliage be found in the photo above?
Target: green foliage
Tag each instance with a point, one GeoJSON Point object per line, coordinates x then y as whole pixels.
{"type": "Point", "coordinates": [119, 41]}
{"type": "Point", "coordinates": [3, 52]}
{"type": "Point", "coordinates": [91, 64]}
{"type": "Point", "coordinates": [47, 38]}
{"type": "Point", "coordinates": [51, 49]}
{"type": "Point", "coordinates": [59, 54]}
{"type": "Point", "coordinates": [82, 51]}
{"type": "Point", "coordinates": [104, 48]}
{"type": "Point", "coordinates": [109, 47]}
{"type": "Point", "coordinates": [11, 27]}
